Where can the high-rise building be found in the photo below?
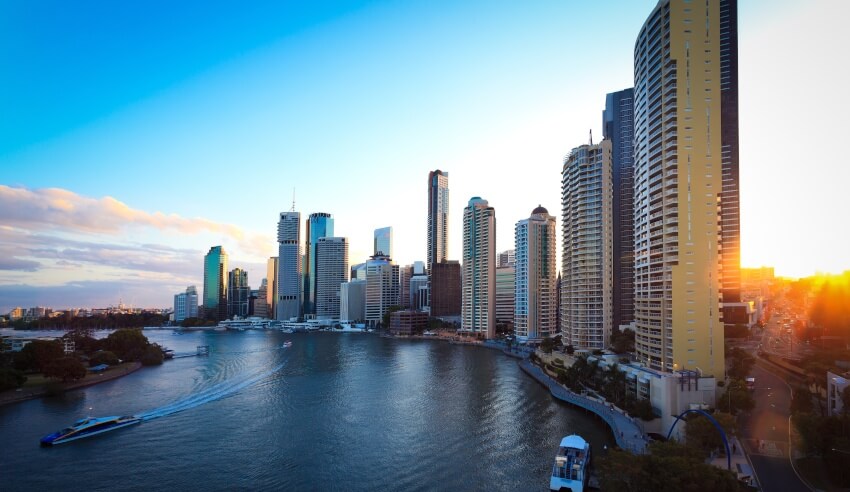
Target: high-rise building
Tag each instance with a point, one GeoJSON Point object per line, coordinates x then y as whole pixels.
{"type": "Point", "coordinates": [331, 271]}
{"type": "Point", "coordinates": [186, 304]}
{"type": "Point", "coordinates": [479, 268]}
{"type": "Point", "coordinates": [238, 293]}
{"type": "Point", "coordinates": [536, 276]}
{"type": "Point", "coordinates": [383, 242]}
{"type": "Point", "coordinates": [358, 271]}
{"type": "Point", "coordinates": [505, 294]}
{"type": "Point", "coordinates": [271, 286]}
{"type": "Point", "coordinates": [352, 301]}
{"type": "Point", "coordinates": [319, 225]}
{"type": "Point", "coordinates": [446, 289]}
{"type": "Point", "coordinates": [507, 259]}
{"type": "Point", "coordinates": [404, 274]}
{"type": "Point", "coordinates": [730, 211]}
{"type": "Point", "coordinates": [678, 188]}
{"type": "Point", "coordinates": [586, 290]}
{"type": "Point", "coordinates": [618, 127]}
{"type": "Point", "coordinates": [381, 287]}
{"type": "Point", "coordinates": [215, 283]}
{"type": "Point", "coordinates": [420, 293]}
{"type": "Point", "coordinates": [438, 217]}
{"type": "Point", "coordinates": [261, 306]}
{"type": "Point", "coordinates": [289, 281]}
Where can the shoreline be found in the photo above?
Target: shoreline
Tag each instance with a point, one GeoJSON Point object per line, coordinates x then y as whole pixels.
{"type": "Point", "coordinates": [13, 396]}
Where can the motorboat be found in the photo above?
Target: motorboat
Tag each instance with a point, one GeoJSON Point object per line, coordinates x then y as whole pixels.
{"type": "Point", "coordinates": [570, 472]}
{"type": "Point", "coordinates": [87, 427]}
{"type": "Point", "coordinates": [287, 344]}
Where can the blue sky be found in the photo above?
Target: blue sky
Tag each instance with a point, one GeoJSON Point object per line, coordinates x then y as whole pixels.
{"type": "Point", "coordinates": [201, 117]}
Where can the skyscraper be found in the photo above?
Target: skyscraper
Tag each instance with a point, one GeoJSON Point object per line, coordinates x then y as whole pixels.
{"type": "Point", "coordinates": [618, 127]}
{"type": "Point", "coordinates": [404, 275]}
{"type": "Point", "coordinates": [730, 216]}
{"type": "Point", "coordinates": [261, 306]}
{"type": "Point", "coordinates": [381, 287]}
{"type": "Point", "coordinates": [319, 225]}
{"type": "Point", "coordinates": [505, 294]}
{"type": "Point", "coordinates": [507, 259]}
{"type": "Point", "coordinates": [186, 304]}
{"type": "Point", "coordinates": [215, 283]}
{"type": "Point", "coordinates": [445, 290]}
{"type": "Point", "coordinates": [678, 188]}
{"type": "Point", "coordinates": [438, 217]}
{"type": "Point", "coordinates": [331, 271]}
{"type": "Point", "coordinates": [238, 293]}
{"type": "Point", "coordinates": [586, 289]}
{"type": "Point", "coordinates": [535, 277]}
{"type": "Point", "coordinates": [289, 281]}
{"type": "Point", "coordinates": [271, 287]}
{"type": "Point", "coordinates": [383, 242]}
{"type": "Point", "coordinates": [479, 268]}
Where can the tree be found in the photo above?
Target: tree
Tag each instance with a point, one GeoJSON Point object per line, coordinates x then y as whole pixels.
{"type": "Point", "coordinates": [668, 466]}
{"type": "Point", "coordinates": [65, 369]}
{"type": "Point", "coordinates": [570, 350]}
{"type": "Point", "coordinates": [127, 344]}
{"type": "Point", "coordinates": [36, 355]}
{"type": "Point", "coordinates": [547, 345]}
{"type": "Point", "coordinates": [11, 378]}
{"type": "Point", "coordinates": [701, 434]}
{"type": "Point", "coordinates": [152, 356]}
{"type": "Point", "coordinates": [623, 341]}
{"type": "Point", "coordinates": [386, 319]}
{"type": "Point", "coordinates": [103, 357]}
{"type": "Point", "coordinates": [738, 396]}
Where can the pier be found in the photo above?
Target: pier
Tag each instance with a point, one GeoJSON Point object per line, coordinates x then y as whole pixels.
{"type": "Point", "coordinates": [627, 434]}
{"type": "Point", "coordinates": [201, 350]}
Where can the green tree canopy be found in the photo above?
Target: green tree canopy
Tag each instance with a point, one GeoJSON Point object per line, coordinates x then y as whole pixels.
{"type": "Point", "coordinates": [103, 357]}
{"type": "Point", "coordinates": [11, 378]}
{"type": "Point", "coordinates": [36, 355]}
{"type": "Point", "coordinates": [127, 344]}
{"type": "Point", "coordinates": [701, 434]}
{"type": "Point", "coordinates": [668, 467]}
{"type": "Point", "coordinates": [65, 369]}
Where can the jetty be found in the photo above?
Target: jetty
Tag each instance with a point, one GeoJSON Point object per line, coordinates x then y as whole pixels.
{"type": "Point", "coordinates": [627, 433]}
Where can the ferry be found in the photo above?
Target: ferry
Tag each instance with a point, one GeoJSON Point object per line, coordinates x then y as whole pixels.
{"type": "Point", "coordinates": [570, 472]}
{"type": "Point", "coordinates": [88, 427]}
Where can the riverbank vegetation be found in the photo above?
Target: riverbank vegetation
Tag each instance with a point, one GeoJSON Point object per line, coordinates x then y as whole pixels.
{"type": "Point", "coordinates": [98, 322]}
{"type": "Point", "coordinates": [44, 360]}
{"type": "Point", "coordinates": [668, 466]}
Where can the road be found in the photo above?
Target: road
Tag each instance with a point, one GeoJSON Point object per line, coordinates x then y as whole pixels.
{"type": "Point", "coordinates": [765, 434]}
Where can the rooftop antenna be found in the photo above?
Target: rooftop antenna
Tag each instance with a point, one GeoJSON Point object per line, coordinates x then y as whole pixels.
{"type": "Point", "coordinates": [591, 136]}
{"type": "Point", "coordinates": [293, 199]}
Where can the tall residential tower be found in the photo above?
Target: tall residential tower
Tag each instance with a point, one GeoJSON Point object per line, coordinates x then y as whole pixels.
{"type": "Point", "coordinates": [586, 290]}
{"type": "Point", "coordinates": [535, 310]}
{"type": "Point", "coordinates": [479, 269]}
{"type": "Point", "coordinates": [438, 218]}
{"type": "Point", "coordinates": [678, 188]}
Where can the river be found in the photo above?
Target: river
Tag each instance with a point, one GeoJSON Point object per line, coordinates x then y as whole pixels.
{"type": "Point", "coordinates": [332, 412]}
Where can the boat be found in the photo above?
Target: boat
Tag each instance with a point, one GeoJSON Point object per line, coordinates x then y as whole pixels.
{"type": "Point", "coordinates": [287, 344]}
{"type": "Point", "coordinates": [570, 472]}
{"type": "Point", "coordinates": [87, 427]}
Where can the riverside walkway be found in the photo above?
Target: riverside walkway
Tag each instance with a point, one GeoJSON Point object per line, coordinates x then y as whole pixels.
{"type": "Point", "coordinates": [626, 432]}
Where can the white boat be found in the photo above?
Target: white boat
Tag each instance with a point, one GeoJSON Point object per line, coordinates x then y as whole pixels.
{"type": "Point", "coordinates": [88, 427]}
{"type": "Point", "coordinates": [570, 472]}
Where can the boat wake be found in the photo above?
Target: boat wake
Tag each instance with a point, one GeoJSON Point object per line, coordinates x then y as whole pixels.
{"type": "Point", "coordinates": [215, 392]}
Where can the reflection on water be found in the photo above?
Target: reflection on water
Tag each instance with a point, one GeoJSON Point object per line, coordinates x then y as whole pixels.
{"type": "Point", "coordinates": [334, 411]}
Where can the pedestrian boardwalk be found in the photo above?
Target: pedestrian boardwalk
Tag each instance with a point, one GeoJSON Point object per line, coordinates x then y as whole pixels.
{"type": "Point", "coordinates": [626, 432]}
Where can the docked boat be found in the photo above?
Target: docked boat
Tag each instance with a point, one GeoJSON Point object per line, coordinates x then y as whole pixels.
{"type": "Point", "coordinates": [88, 427]}
{"type": "Point", "coordinates": [570, 472]}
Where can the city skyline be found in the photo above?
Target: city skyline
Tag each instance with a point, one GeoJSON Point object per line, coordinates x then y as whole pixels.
{"type": "Point", "coordinates": [67, 243]}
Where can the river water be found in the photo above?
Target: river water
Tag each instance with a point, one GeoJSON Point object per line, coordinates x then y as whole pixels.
{"type": "Point", "coordinates": [332, 412]}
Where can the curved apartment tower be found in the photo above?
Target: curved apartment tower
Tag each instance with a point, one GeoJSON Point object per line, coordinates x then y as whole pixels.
{"type": "Point", "coordinates": [678, 185]}
{"type": "Point", "coordinates": [587, 252]}
{"type": "Point", "coordinates": [478, 309]}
